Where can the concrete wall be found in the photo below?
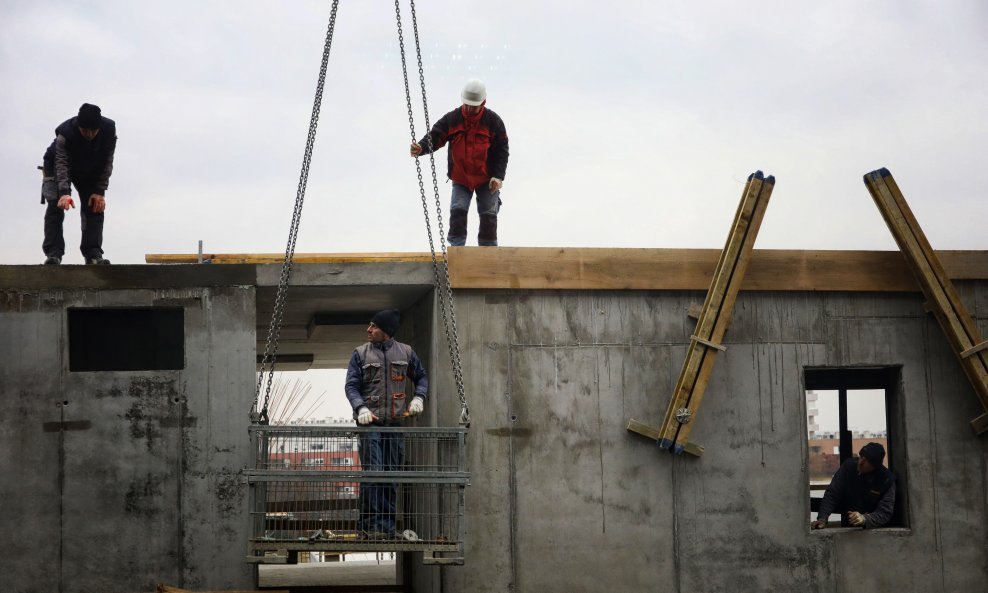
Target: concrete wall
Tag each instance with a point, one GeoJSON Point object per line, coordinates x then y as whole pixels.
{"type": "Point", "coordinates": [116, 481]}
{"type": "Point", "coordinates": [564, 499]}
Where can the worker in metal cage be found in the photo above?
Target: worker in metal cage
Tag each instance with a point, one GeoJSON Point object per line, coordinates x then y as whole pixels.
{"type": "Point", "coordinates": [80, 155]}
{"type": "Point", "coordinates": [862, 491]}
{"type": "Point", "coordinates": [477, 161]}
{"type": "Point", "coordinates": [377, 382]}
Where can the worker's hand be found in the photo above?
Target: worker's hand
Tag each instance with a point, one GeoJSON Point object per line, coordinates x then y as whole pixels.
{"type": "Point", "coordinates": [97, 203]}
{"type": "Point", "coordinates": [365, 416]}
{"type": "Point", "coordinates": [818, 525]}
{"type": "Point", "coordinates": [495, 184]}
{"type": "Point", "coordinates": [415, 150]}
{"type": "Point", "coordinates": [416, 406]}
{"type": "Point", "coordinates": [855, 518]}
{"type": "Point", "coordinates": [65, 202]}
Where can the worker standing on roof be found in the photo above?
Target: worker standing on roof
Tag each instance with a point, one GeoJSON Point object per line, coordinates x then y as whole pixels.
{"type": "Point", "coordinates": [377, 381]}
{"type": "Point", "coordinates": [477, 160]}
{"type": "Point", "coordinates": [863, 491]}
{"type": "Point", "coordinates": [80, 155]}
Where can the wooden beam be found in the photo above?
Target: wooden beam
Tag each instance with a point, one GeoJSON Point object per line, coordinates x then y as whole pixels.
{"type": "Point", "coordinates": [548, 268]}
{"type": "Point", "coordinates": [942, 298]}
{"type": "Point", "coordinates": [717, 308]}
{"type": "Point", "coordinates": [582, 268]}
{"type": "Point", "coordinates": [279, 258]}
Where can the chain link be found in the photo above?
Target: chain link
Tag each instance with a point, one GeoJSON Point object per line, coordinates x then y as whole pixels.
{"type": "Point", "coordinates": [274, 330]}
{"type": "Point", "coordinates": [441, 272]}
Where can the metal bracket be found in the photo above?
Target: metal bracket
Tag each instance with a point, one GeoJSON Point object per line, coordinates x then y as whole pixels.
{"type": "Point", "coordinates": [683, 415]}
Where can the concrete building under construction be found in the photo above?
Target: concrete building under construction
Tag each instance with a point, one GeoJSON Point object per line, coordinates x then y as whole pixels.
{"type": "Point", "coordinates": [127, 390]}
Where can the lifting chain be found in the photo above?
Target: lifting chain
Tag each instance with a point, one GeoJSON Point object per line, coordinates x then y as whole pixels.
{"type": "Point", "coordinates": [441, 272]}
{"type": "Point", "coordinates": [274, 330]}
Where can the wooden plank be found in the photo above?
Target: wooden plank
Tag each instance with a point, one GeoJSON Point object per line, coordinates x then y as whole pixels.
{"type": "Point", "coordinates": [974, 349]}
{"type": "Point", "coordinates": [535, 268]}
{"type": "Point", "coordinates": [653, 432]}
{"type": "Point", "coordinates": [168, 589]}
{"type": "Point", "coordinates": [279, 258]}
{"type": "Point", "coordinates": [695, 353]}
{"type": "Point", "coordinates": [942, 297]}
{"type": "Point", "coordinates": [568, 268]}
{"type": "Point", "coordinates": [741, 263]}
{"type": "Point", "coordinates": [709, 344]}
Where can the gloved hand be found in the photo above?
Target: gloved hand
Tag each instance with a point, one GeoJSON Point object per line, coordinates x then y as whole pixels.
{"type": "Point", "coordinates": [855, 518]}
{"type": "Point", "coordinates": [365, 416]}
{"type": "Point", "coordinates": [818, 525]}
{"type": "Point", "coordinates": [65, 202]}
{"type": "Point", "coordinates": [495, 184]}
{"type": "Point", "coordinates": [416, 406]}
{"type": "Point", "coordinates": [415, 149]}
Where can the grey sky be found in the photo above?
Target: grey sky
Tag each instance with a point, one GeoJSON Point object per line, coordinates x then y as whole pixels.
{"type": "Point", "coordinates": [632, 124]}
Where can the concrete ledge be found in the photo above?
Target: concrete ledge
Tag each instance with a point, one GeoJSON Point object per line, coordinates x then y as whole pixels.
{"type": "Point", "coordinates": [40, 277]}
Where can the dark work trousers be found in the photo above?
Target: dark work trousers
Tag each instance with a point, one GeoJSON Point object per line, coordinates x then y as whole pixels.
{"type": "Point", "coordinates": [92, 226]}
{"type": "Point", "coordinates": [379, 451]}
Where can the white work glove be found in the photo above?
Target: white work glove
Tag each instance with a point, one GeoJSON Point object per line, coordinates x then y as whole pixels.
{"type": "Point", "coordinates": [416, 406]}
{"type": "Point", "coordinates": [495, 184]}
{"type": "Point", "coordinates": [855, 518]}
{"type": "Point", "coordinates": [365, 416]}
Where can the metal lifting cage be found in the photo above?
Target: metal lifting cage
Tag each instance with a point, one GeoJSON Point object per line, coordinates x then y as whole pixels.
{"type": "Point", "coordinates": [310, 485]}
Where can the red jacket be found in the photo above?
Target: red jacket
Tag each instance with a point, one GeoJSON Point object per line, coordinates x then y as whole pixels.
{"type": "Point", "coordinates": [478, 146]}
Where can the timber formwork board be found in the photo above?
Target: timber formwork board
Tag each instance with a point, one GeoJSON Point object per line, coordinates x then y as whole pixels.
{"type": "Point", "coordinates": [712, 323]}
{"type": "Point", "coordinates": [942, 298]}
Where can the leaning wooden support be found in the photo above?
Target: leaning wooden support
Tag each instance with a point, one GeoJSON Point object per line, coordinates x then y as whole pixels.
{"type": "Point", "coordinates": [714, 317]}
{"type": "Point", "coordinates": [941, 296]}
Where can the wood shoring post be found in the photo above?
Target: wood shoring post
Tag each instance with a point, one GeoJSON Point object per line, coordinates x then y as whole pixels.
{"type": "Point", "coordinates": [712, 323]}
{"type": "Point", "coordinates": [941, 296]}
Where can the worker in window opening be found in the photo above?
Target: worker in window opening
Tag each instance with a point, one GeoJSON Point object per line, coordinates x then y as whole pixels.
{"type": "Point", "coordinates": [863, 491]}
{"type": "Point", "coordinates": [80, 155]}
{"type": "Point", "coordinates": [377, 382]}
{"type": "Point", "coordinates": [477, 160]}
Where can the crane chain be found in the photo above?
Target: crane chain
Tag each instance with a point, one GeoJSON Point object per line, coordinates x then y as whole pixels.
{"type": "Point", "coordinates": [274, 330]}
{"type": "Point", "coordinates": [441, 272]}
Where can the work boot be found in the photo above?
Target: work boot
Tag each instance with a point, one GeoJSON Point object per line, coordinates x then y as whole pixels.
{"type": "Point", "coordinates": [97, 261]}
{"type": "Point", "coordinates": [53, 260]}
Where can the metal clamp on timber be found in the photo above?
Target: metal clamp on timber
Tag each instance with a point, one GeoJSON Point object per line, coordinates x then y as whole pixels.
{"type": "Point", "coordinates": [714, 317]}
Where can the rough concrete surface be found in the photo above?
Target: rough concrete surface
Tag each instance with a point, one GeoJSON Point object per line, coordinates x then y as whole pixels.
{"type": "Point", "coordinates": [139, 473]}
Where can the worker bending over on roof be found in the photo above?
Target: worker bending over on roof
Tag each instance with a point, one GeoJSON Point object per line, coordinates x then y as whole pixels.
{"type": "Point", "coordinates": [80, 155]}
{"type": "Point", "coordinates": [863, 491]}
{"type": "Point", "coordinates": [477, 160]}
{"type": "Point", "coordinates": [377, 381]}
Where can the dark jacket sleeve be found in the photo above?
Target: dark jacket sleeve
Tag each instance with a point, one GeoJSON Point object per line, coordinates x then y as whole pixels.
{"type": "Point", "coordinates": [497, 158]}
{"type": "Point", "coordinates": [103, 181]}
{"type": "Point", "coordinates": [833, 495]}
{"type": "Point", "coordinates": [438, 135]}
{"type": "Point", "coordinates": [418, 376]}
{"type": "Point", "coordinates": [62, 165]}
{"type": "Point", "coordinates": [883, 513]}
{"type": "Point", "coordinates": [354, 381]}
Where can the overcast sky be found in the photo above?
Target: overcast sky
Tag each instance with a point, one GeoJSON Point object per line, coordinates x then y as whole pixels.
{"type": "Point", "coordinates": [632, 124]}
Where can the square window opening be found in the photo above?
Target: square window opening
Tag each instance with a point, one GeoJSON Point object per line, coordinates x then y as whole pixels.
{"type": "Point", "coordinates": [847, 408]}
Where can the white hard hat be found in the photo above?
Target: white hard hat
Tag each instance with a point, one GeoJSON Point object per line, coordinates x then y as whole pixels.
{"type": "Point", "coordinates": [474, 92]}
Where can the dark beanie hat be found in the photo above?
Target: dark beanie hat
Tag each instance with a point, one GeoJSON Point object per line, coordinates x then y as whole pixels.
{"type": "Point", "coordinates": [387, 320]}
{"type": "Point", "coordinates": [90, 117]}
{"type": "Point", "coordinates": [874, 453]}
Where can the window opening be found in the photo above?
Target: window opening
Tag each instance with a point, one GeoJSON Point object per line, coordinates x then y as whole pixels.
{"type": "Point", "coordinates": [846, 409]}
{"type": "Point", "coordinates": [126, 339]}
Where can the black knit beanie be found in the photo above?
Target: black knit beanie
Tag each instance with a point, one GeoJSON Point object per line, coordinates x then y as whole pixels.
{"type": "Point", "coordinates": [90, 117]}
{"type": "Point", "coordinates": [874, 453]}
{"type": "Point", "coordinates": [387, 320]}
